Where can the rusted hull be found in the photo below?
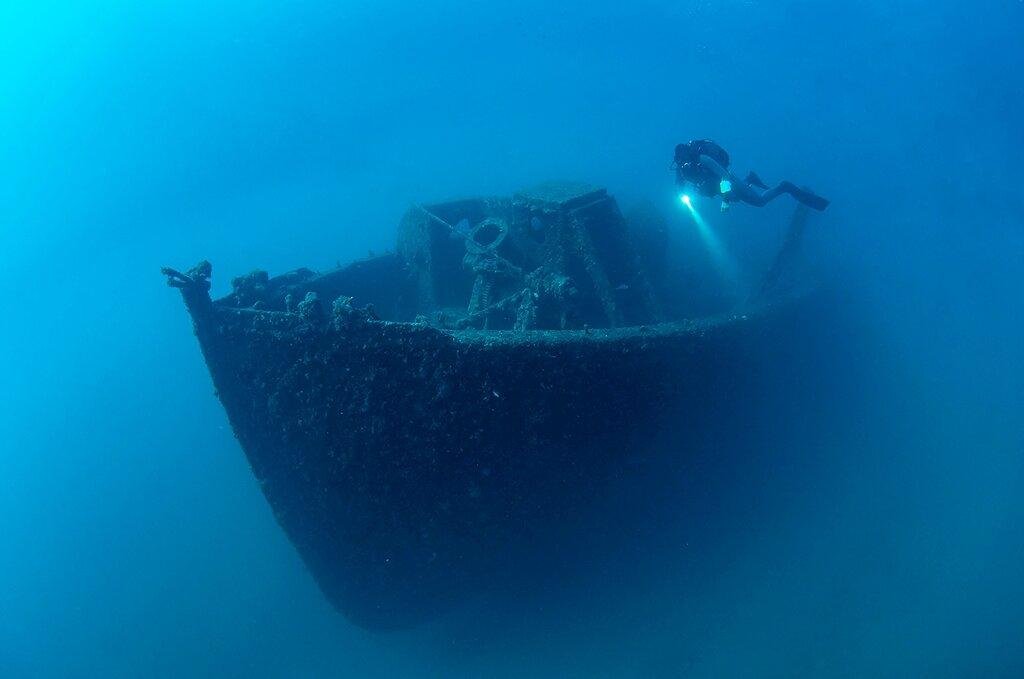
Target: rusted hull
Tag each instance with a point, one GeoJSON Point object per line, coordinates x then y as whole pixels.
{"type": "Point", "coordinates": [411, 466]}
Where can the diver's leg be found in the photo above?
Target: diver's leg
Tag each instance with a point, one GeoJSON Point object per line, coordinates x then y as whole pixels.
{"type": "Point", "coordinates": [808, 198]}
{"type": "Point", "coordinates": [746, 193]}
{"type": "Point", "coordinates": [754, 180]}
{"type": "Point", "coordinates": [777, 190]}
{"type": "Point", "coordinates": [804, 196]}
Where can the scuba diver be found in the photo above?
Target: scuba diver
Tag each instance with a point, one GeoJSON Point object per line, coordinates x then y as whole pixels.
{"type": "Point", "coordinates": [705, 165]}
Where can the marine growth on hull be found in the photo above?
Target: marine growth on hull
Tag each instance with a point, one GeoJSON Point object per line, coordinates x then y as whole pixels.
{"type": "Point", "coordinates": [424, 423]}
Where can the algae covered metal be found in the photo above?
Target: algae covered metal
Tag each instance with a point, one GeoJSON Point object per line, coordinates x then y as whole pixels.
{"type": "Point", "coordinates": [416, 419]}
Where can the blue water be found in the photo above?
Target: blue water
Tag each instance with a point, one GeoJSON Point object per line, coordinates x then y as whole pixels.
{"type": "Point", "coordinates": [134, 540]}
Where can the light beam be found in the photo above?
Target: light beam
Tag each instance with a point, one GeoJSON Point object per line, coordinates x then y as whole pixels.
{"type": "Point", "coordinates": [723, 261]}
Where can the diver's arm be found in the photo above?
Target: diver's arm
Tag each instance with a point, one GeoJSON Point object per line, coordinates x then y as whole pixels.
{"type": "Point", "coordinates": [712, 164]}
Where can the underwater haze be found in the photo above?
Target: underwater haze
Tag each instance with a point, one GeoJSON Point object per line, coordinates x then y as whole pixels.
{"type": "Point", "coordinates": [134, 539]}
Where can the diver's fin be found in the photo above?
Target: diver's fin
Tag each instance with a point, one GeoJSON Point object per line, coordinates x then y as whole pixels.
{"type": "Point", "coordinates": [754, 180]}
{"type": "Point", "coordinates": [811, 199]}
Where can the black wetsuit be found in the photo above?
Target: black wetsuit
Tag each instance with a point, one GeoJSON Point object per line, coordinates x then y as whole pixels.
{"type": "Point", "coordinates": [704, 164]}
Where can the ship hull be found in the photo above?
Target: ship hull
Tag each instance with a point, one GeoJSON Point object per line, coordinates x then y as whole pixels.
{"type": "Point", "coordinates": [414, 467]}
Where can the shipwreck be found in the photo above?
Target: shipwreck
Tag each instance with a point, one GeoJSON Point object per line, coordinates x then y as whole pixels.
{"type": "Point", "coordinates": [414, 417]}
